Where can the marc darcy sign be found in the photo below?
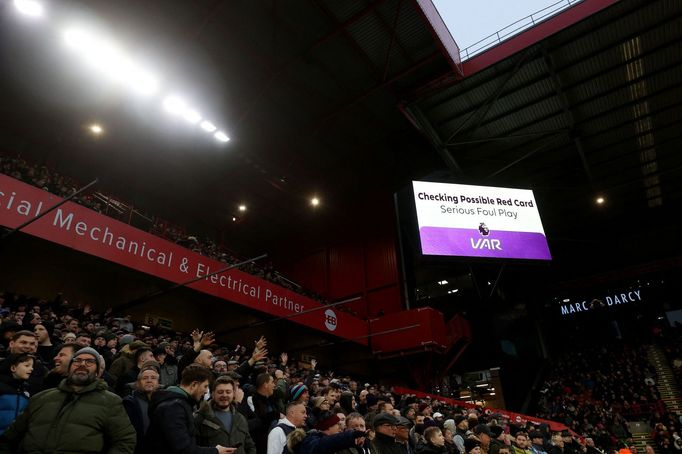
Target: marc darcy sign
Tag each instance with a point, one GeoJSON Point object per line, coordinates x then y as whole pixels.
{"type": "Point", "coordinates": [612, 299]}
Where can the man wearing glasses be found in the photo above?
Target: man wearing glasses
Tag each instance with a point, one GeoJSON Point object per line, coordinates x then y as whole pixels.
{"type": "Point", "coordinates": [385, 425]}
{"type": "Point", "coordinates": [80, 415]}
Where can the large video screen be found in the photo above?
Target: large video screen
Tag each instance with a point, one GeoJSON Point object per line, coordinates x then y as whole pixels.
{"type": "Point", "coordinates": [479, 221]}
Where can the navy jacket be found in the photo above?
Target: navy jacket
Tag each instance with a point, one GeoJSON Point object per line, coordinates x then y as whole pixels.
{"type": "Point", "coordinates": [318, 443]}
{"type": "Point", "coordinates": [171, 428]}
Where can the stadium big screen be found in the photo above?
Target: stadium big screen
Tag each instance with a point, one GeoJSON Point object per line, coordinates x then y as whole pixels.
{"type": "Point", "coordinates": [479, 221]}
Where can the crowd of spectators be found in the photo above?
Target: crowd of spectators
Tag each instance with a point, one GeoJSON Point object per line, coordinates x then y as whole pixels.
{"type": "Point", "coordinates": [667, 427]}
{"type": "Point", "coordinates": [45, 178]}
{"type": "Point", "coordinates": [592, 390]}
{"type": "Point", "coordinates": [259, 401]}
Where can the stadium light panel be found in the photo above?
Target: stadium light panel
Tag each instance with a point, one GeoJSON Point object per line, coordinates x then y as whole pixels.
{"type": "Point", "coordinates": [144, 83]}
{"type": "Point", "coordinates": [221, 136]}
{"type": "Point", "coordinates": [77, 39]}
{"type": "Point", "coordinates": [174, 105]}
{"type": "Point", "coordinates": [29, 8]}
{"type": "Point", "coordinates": [96, 129]}
{"type": "Point", "coordinates": [208, 126]}
{"type": "Point", "coordinates": [192, 116]}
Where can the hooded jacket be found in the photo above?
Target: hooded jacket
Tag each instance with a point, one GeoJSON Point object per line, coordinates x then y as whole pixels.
{"type": "Point", "coordinates": [90, 420]}
{"type": "Point", "coordinates": [171, 428]}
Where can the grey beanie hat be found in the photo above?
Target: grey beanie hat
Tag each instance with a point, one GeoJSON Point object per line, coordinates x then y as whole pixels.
{"type": "Point", "coordinates": [87, 351]}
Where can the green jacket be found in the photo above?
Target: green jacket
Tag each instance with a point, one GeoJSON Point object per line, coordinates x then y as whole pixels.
{"type": "Point", "coordinates": [61, 420]}
{"type": "Point", "coordinates": [211, 432]}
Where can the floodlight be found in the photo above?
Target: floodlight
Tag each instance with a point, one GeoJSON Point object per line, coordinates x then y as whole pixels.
{"type": "Point", "coordinates": [29, 8]}
{"type": "Point", "coordinates": [96, 129]}
{"type": "Point", "coordinates": [208, 126]}
{"type": "Point", "coordinates": [221, 136]}
{"type": "Point", "coordinates": [144, 83]}
{"type": "Point", "coordinates": [314, 201]}
{"type": "Point", "coordinates": [242, 207]}
{"type": "Point", "coordinates": [77, 39]}
{"type": "Point", "coordinates": [192, 116]}
{"type": "Point", "coordinates": [174, 105]}
{"type": "Point", "coordinates": [107, 58]}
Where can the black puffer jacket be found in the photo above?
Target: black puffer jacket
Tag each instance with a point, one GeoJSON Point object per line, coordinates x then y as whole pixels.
{"type": "Point", "coordinates": [171, 428]}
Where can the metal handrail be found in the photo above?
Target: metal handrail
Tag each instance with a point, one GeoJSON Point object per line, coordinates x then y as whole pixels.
{"type": "Point", "coordinates": [515, 28]}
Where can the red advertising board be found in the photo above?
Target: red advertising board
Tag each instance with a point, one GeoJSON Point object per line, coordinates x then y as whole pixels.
{"type": "Point", "coordinates": [86, 231]}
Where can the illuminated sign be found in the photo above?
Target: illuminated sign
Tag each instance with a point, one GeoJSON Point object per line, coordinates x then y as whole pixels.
{"type": "Point", "coordinates": [479, 221]}
{"type": "Point", "coordinates": [591, 304]}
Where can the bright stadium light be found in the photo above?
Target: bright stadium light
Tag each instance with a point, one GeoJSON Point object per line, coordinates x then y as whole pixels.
{"type": "Point", "coordinates": [192, 116]}
{"type": "Point", "coordinates": [96, 129]}
{"type": "Point", "coordinates": [144, 83]}
{"type": "Point", "coordinates": [107, 58]}
{"type": "Point", "coordinates": [208, 126]}
{"type": "Point", "coordinates": [77, 39]}
{"type": "Point", "coordinates": [174, 105]}
{"type": "Point", "coordinates": [113, 65]}
{"type": "Point", "coordinates": [221, 136]}
{"type": "Point", "coordinates": [29, 8]}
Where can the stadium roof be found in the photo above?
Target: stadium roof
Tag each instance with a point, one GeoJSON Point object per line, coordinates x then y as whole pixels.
{"type": "Point", "coordinates": [586, 104]}
{"type": "Point", "coordinates": [321, 97]}
{"type": "Point", "coordinates": [308, 91]}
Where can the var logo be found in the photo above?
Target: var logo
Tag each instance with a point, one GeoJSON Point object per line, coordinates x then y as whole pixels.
{"type": "Point", "coordinates": [486, 243]}
{"type": "Point", "coordinates": [330, 319]}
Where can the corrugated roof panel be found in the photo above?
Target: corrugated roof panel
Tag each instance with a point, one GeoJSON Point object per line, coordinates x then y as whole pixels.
{"type": "Point", "coordinates": [526, 117]}
{"type": "Point", "coordinates": [344, 10]}
{"type": "Point", "coordinates": [612, 35]}
{"type": "Point", "coordinates": [413, 37]}
{"type": "Point", "coordinates": [371, 38]}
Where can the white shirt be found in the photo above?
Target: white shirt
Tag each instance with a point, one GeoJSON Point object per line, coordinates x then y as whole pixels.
{"type": "Point", "coordinates": [276, 438]}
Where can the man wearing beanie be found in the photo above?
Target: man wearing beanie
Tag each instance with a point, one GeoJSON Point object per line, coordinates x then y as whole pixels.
{"type": "Point", "coordinates": [461, 427]}
{"type": "Point", "coordinates": [299, 393]}
{"type": "Point", "coordinates": [497, 441]}
{"type": "Point", "coordinates": [78, 416]}
{"type": "Point", "coordinates": [45, 351]}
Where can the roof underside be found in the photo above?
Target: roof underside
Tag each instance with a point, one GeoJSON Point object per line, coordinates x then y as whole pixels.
{"type": "Point", "coordinates": [312, 93]}
{"type": "Point", "coordinates": [592, 110]}
{"type": "Point", "coordinates": [308, 91]}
